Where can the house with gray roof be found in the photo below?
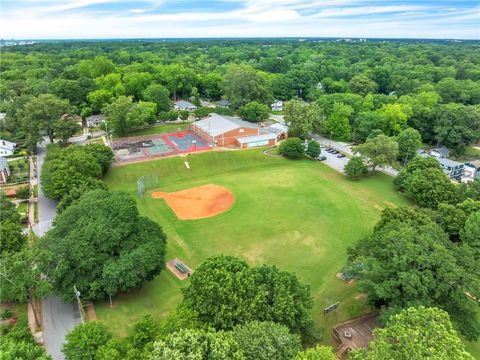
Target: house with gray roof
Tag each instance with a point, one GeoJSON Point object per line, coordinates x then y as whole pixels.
{"type": "Point", "coordinates": [453, 169]}
{"type": "Point", "coordinates": [184, 105]}
{"type": "Point", "coordinates": [223, 103]}
{"type": "Point", "coordinates": [94, 120]}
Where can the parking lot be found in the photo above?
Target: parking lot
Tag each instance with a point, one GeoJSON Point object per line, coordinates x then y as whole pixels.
{"type": "Point", "coordinates": [333, 161]}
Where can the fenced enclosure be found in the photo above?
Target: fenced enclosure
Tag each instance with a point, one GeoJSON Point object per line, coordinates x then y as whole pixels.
{"type": "Point", "coordinates": [147, 182]}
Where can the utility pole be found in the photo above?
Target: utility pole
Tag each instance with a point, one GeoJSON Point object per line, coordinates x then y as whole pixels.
{"type": "Point", "coordinates": [80, 307]}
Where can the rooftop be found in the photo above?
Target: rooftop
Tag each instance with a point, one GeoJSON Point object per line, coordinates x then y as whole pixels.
{"type": "Point", "coordinates": [448, 162]}
{"type": "Point", "coordinates": [184, 103]}
{"type": "Point", "coordinates": [248, 139]}
{"type": "Point", "coordinates": [216, 124]}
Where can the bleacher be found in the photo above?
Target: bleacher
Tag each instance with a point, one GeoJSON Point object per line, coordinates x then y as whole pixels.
{"type": "Point", "coordinates": [182, 268]}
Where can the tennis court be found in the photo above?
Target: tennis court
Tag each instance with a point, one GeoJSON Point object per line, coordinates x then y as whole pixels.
{"type": "Point", "coordinates": [141, 148]}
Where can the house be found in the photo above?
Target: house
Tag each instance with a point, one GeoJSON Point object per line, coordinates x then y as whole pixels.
{"type": "Point", "coordinates": [7, 147]}
{"type": "Point", "coordinates": [277, 105]}
{"type": "Point", "coordinates": [223, 103]}
{"type": "Point", "coordinates": [453, 169]}
{"type": "Point", "coordinates": [233, 131]}
{"type": "Point", "coordinates": [94, 120]}
{"type": "Point", "coordinates": [184, 105]}
{"type": "Point", "coordinates": [472, 170]}
{"type": "Point", "coordinates": [4, 170]}
{"type": "Point", "coordinates": [441, 152]}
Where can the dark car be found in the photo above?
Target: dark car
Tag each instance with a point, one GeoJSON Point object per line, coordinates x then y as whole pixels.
{"type": "Point", "coordinates": [340, 156]}
{"type": "Point", "coordinates": [321, 158]}
{"type": "Point", "coordinates": [334, 152]}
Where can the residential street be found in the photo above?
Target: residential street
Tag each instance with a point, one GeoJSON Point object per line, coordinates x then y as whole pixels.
{"type": "Point", "coordinates": [58, 317]}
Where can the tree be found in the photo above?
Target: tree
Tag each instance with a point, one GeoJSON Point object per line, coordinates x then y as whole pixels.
{"type": "Point", "coordinates": [21, 278]}
{"type": "Point", "coordinates": [421, 333]}
{"type": "Point", "coordinates": [417, 163]}
{"type": "Point", "coordinates": [302, 118]}
{"type": "Point", "coordinates": [65, 127]}
{"type": "Point", "coordinates": [8, 211]}
{"type": "Point", "coordinates": [356, 168]}
{"type": "Point", "coordinates": [84, 340]}
{"type": "Point", "coordinates": [430, 187]}
{"type": "Point", "coordinates": [292, 148]}
{"type": "Point", "coordinates": [98, 99]}
{"type": "Point", "coordinates": [103, 154]}
{"type": "Point", "coordinates": [159, 95]}
{"type": "Point", "coordinates": [409, 141]}
{"type": "Point", "coordinates": [379, 151]}
{"type": "Point", "coordinates": [12, 236]}
{"type": "Point", "coordinates": [101, 237]}
{"type": "Point", "coordinates": [41, 114]}
{"type": "Point", "coordinates": [184, 114]}
{"type": "Point", "coordinates": [313, 149]}
{"type": "Point", "coordinates": [410, 263]}
{"type": "Point", "coordinates": [470, 234]}
{"type": "Point", "coordinates": [254, 112]}
{"type": "Point", "coordinates": [337, 124]}
{"type": "Point", "coordinates": [317, 353]}
{"type": "Point", "coordinates": [224, 291]}
{"type": "Point", "coordinates": [266, 341]}
{"type": "Point", "coordinates": [197, 344]}
{"type": "Point", "coordinates": [135, 83]}
{"type": "Point", "coordinates": [396, 116]}
{"type": "Point", "coordinates": [117, 113]}
{"type": "Point", "coordinates": [93, 68]}
{"type": "Point", "coordinates": [243, 85]}
{"type": "Point", "coordinates": [142, 113]}
{"type": "Point", "coordinates": [361, 84]}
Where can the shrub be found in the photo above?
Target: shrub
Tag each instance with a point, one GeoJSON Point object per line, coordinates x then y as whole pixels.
{"type": "Point", "coordinates": [313, 149]}
{"type": "Point", "coordinates": [23, 193]}
{"type": "Point", "coordinates": [292, 148]}
{"type": "Point", "coordinates": [356, 168]}
{"type": "Point", "coordinates": [6, 314]}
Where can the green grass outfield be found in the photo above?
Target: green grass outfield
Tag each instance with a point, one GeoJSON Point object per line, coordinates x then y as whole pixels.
{"type": "Point", "coordinates": [299, 215]}
{"type": "Point", "coordinates": [156, 129]}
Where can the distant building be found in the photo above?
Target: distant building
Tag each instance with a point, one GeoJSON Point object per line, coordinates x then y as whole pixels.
{"type": "Point", "coordinates": [453, 169]}
{"type": "Point", "coordinates": [4, 170]}
{"type": "Point", "coordinates": [223, 103]}
{"type": "Point", "coordinates": [94, 120]}
{"type": "Point", "coordinates": [206, 104]}
{"type": "Point", "coordinates": [277, 105]}
{"type": "Point", "coordinates": [184, 105]}
{"type": "Point", "coordinates": [7, 147]}
{"type": "Point", "coordinates": [233, 131]}
{"type": "Point", "coordinates": [441, 152]}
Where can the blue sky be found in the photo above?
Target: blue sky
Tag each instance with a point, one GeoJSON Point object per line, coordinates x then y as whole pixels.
{"type": "Point", "coordinates": [239, 18]}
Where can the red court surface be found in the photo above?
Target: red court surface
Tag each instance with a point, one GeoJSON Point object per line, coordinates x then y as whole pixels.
{"type": "Point", "coordinates": [141, 148]}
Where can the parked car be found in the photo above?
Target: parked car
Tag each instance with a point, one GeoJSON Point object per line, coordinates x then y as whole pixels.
{"type": "Point", "coordinates": [334, 152]}
{"type": "Point", "coordinates": [340, 156]}
{"type": "Point", "coordinates": [322, 158]}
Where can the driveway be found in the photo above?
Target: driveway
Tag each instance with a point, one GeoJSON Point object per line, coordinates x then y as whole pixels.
{"type": "Point", "coordinates": [332, 160]}
{"type": "Point", "coordinates": [58, 317]}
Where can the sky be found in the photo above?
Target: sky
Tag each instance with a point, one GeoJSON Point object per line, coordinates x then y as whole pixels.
{"type": "Point", "coordinates": [82, 19]}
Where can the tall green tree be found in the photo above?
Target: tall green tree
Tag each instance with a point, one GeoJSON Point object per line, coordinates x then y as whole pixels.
{"type": "Point", "coordinates": [337, 124]}
{"type": "Point", "coordinates": [97, 242]}
{"type": "Point", "coordinates": [317, 353]}
{"type": "Point", "coordinates": [117, 114]}
{"type": "Point", "coordinates": [84, 340]}
{"type": "Point", "coordinates": [242, 84]}
{"type": "Point", "coordinates": [422, 333]}
{"type": "Point", "coordinates": [159, 95]}
{"type": "Point", "coordinates": [254, 112]}
{"type": "Point", "coordinates": [363, 85]}
{"type": "Point", "coordinates": [356, 168]}
{"type": "Point", "coordinates": [379, 151]}
{"type": "Point", "coordinates": [302, 118]}
{"type": "Point", "coordinates": [409, 141]}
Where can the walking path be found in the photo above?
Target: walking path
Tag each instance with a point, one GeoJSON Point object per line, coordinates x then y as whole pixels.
{"type": "Point", "coordinates": [58, 317]}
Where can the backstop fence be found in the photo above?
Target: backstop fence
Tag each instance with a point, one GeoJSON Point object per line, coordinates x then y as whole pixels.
{"type": "Point", "coordinates": [147, 182]}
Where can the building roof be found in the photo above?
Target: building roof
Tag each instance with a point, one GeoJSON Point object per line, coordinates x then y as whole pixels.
{"type": "Point", "coordinates": [4, 144]}
{"type": "Point", "coordinates": [277, 128]}
{"type": "Point", "coordinates": [442, 150]}
{"type": "Point", "coordinates": [253, 138]}
{"type": "Point", "coordinates": [184, 104]}
{"type": "Point", "coordinates": [216, 124]}
{"type": "Point", "coordinates": [95, 118]}
{"type": "Point", "coordinates": [448, 162]}
{"type": "Point", "coordinates": [474, 163]}
{"type": "Point", "coordinates": [3, 163]}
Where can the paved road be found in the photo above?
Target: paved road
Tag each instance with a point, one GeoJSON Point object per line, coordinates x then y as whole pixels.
{"type": "Point", "coordinates": [58, 317]}
{"type": "Point", "coordinates": [345, 149]}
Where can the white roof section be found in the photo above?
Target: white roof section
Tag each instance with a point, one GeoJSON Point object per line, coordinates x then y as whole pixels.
{"type": "Point", "coordinates": [4, 144]}
{"type": "Point", "coordinates": [215, 124]}
{"type": "Point", "coordinates": [253, 138]}
{"type": "Point", "coordinates": [277, 128]}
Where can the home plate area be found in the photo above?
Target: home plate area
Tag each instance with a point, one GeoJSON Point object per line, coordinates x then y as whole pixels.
{"type": "Point", "coordinates": [197, 202]}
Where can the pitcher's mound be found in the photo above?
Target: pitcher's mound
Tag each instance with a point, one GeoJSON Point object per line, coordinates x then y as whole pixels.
{"type": "Point", "coordinates": [198, 202]}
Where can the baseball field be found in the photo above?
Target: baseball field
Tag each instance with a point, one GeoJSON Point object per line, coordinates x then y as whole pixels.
{"type": "Point", "coordinates": [299, 215]}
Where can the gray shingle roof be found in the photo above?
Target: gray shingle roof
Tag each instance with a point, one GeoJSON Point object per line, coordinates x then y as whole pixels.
{"type": "Point", "coordinates": [448, 162]}
{"type": "Point", "coordinates": [216, 124]}
{"type": "Point", "coordinates": [184, 104]}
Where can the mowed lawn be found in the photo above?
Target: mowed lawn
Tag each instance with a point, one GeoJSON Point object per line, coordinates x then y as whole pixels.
{"type": "Point", "coordinates": [298, 215]}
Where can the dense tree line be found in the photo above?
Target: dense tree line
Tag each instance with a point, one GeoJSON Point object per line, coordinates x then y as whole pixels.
{"type": "Point", "coordinates": [358, 88]}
